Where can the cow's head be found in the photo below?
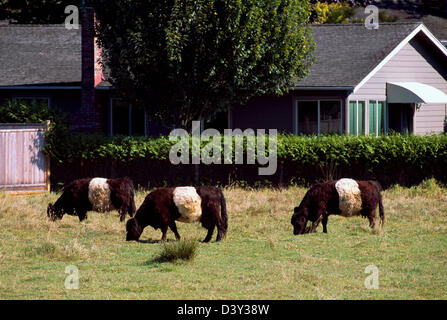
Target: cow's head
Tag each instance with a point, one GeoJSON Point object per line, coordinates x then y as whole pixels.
{"type": "Point", "coordinates": [53, 213]}
{"type": "Point", "coordinates": [133, 230]}
{"type": "Point", "coordinates": [299, 220]}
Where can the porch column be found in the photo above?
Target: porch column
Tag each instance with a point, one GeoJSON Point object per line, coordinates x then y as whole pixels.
{"type": "Point", "coordinates": [346, 122]}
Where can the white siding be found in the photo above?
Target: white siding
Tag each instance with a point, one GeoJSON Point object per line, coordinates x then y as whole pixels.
{"type": "Point", "coordinates": [414, 62]}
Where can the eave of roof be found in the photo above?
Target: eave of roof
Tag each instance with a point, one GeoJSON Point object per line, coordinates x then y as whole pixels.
{"type": "Point", "coordinates": [347, 88]}
{"type": "Point", "coordinates": [421, 28]}
{"type": "Point", "coordinates": [346, 53]}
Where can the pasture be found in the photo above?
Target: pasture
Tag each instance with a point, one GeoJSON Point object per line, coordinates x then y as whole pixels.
{"type": "Point", "coordinates": [260, 258]}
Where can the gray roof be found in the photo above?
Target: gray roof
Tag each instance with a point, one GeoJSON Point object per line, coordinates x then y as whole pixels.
{"type": "Point", "coordinates": [346, 53]}
{"type": "Point", "coordinates": [39, 55]}
{"type": "Point", "coordinates": [51, 54]}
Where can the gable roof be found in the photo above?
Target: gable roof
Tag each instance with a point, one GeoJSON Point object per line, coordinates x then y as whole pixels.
{"type": "Point", "coordinates": [347, 53]}
{"type": "Point", "coordinates": [39, 55]}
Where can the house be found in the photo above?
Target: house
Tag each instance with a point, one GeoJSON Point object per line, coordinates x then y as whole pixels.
{"type": "Point", "coordinates": [393, 78]}
{"type": "Point", "coordinates": [60, 67]}
{"type": "Point", "coordinates": [365, 81]}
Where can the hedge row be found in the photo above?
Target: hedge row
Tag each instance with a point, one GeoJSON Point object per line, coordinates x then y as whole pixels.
{"type": "Point", "coordinates": [303, 160]}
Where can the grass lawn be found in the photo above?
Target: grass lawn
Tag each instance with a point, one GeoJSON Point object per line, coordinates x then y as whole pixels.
{"type": "Point", "coordinates": [259, 259]}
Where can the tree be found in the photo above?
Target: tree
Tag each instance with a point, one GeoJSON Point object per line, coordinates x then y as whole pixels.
{"type": "Point", "coordinates": [189, 59]}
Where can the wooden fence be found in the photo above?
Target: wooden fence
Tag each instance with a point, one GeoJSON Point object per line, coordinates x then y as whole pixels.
{"type": "Point", "coordinates": [23, 166]}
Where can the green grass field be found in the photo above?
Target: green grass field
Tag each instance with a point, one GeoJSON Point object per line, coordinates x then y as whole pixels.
{"type": "Point", "coordinates": [259, 259]}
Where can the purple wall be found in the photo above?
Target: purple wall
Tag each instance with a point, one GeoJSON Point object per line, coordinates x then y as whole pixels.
{"type": "Point", "coordinates": [264, 113]}
{"type": "Point", "coordinates": [277, 112]}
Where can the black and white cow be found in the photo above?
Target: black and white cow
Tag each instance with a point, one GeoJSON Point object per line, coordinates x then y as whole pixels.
{"type": "Point", "coordinates": [97, 194]}
{"type": "Point", "coordinates": [345, 197]}
{"type": "Point", "coordinates": [163, 206]}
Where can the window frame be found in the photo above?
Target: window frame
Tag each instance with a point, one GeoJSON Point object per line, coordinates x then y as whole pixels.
{"type": "Point", "coordinates": [129, 119]}
{"type": "Point", "coordinates": [384, 115]}
{"type": "Point", "coordinates": [296, 106]}
{"type": "Point", "coordinates": [34, 97]}
{"type": "Point", "coordinates": [365, 125]}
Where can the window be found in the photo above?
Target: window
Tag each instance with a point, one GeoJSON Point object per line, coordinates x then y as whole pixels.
{"type": "Point", "coordinates": [401, 117]}
{"type": "Point", "coordinates": [330, 117]}
{"type": "Point", "coordinates": [377, 114]}
{"type": "Point", "coordinates": [307, 117]}
{"type": "Point", "coordinates": [357, 117]}
{"type": "Point", "coordinates": [315, 117]}
{"type": "Point", "coordinates": [31, 101]}
{"type": "Point", "coordinates": [126, 119]}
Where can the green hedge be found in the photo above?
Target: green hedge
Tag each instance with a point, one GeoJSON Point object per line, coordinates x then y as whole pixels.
{"type": "Point", "coordinates": [389, 159]}
{"type": "Point", "coordinates": [303, 160]}
{"type": "Point", "coordinates": [416, 150]}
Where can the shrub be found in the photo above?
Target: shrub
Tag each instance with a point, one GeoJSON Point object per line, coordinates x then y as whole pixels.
{"type": "Point", "coordinates": [18, 112]}
{"type": "Point", "coordinates": [390, 158]}
{"type": "Point", "coordinates": [338, 12]}
{"type": "Point", "coordinates": [178, 250]}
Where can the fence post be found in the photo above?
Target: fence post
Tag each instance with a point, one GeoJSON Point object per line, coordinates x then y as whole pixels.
{"type": "Point", "coordinates": [48, 168]}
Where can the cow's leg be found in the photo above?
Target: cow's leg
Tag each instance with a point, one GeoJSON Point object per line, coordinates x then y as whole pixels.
{"type": "Point", "coordinates": [130, 212]}
{"type": "Point", "coordinates": [324, 222]}
{"type": "Point", "coordinates": [122, 213]}
{"type": "Point", "coordinates": [220, 233]}
{"type": "Point", "coordinates": [209, 234]}
{"type": "Point", "coordinates": [82, 214]}
{"type": "Point", "coordinates": [173, 227]}
{"type": "Point", "coordinates": [164, 230]}
{"type": "Point", "coordinates": [372, 219]}
{"type": "Point", "coordinates": [220, 228]}
{"type": "Point", "coordinates": [315, 224]}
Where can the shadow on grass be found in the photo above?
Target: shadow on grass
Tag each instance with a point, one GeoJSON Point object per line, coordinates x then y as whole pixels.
{"type": "Point", "coordinates": [183, 250]}
{"type": "Point", "coordinates": [152, 241]}
{"type": "Point", "coordinates": [157, 261]}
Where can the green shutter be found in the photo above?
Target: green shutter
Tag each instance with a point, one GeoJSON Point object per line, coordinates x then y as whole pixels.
{"type": "Point", "coordinates": [361, 122]}
{"type": "Point", "coordinates": [352, 117]}
{"type": "Point", "coordinates": [381, 116]}
{"type": "Point", "coordinates": [372, 118]}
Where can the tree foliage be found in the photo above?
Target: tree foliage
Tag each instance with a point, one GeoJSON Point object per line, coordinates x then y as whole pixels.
{"type": "Point", "coordinates": [332, 12]}
{"type": "Point", "coordinates": [58, 133]}
{"type": "Point", "coordinates": [189, 59]}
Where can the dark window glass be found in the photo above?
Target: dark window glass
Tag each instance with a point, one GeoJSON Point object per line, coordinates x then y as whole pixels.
{"type": "Point", "coordinates": [137, 121]}
{"type": "Point", "coordinates": [120, 118]}
{"type": "Point", "coordinates": [41, 102]}
{"type": "Point", "coordinates": [330, 117]}
{"type": "Point", "coordinates": [126, 119]}
{"type": "Point", "coordinates": [307, 117]}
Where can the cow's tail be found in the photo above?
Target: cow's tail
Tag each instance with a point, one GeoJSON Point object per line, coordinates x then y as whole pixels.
{"type": "Point", "coordinates": [223, 213]}
{"type": "Point", "coordinates": [381, 211]}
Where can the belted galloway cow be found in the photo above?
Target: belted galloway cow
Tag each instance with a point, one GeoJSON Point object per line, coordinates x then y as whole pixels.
{"type": "Point", "coordinates": [345, 197]}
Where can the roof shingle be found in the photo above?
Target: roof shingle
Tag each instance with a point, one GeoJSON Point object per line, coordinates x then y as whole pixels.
{"type": "Point", "coordinates": [39, 55]}
{"type": "Point", "coordinates": [346, 53]}
{"type": "Point", "coordinates": [51, 54]}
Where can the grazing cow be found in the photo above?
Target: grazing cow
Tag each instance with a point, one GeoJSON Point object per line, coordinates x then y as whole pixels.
{"type": "Point", "coordinates": [163, 206]}
{"type": "Point", "coordinates": [97, 194]}
{"type": "Point", "coordinates": [345, 197]}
